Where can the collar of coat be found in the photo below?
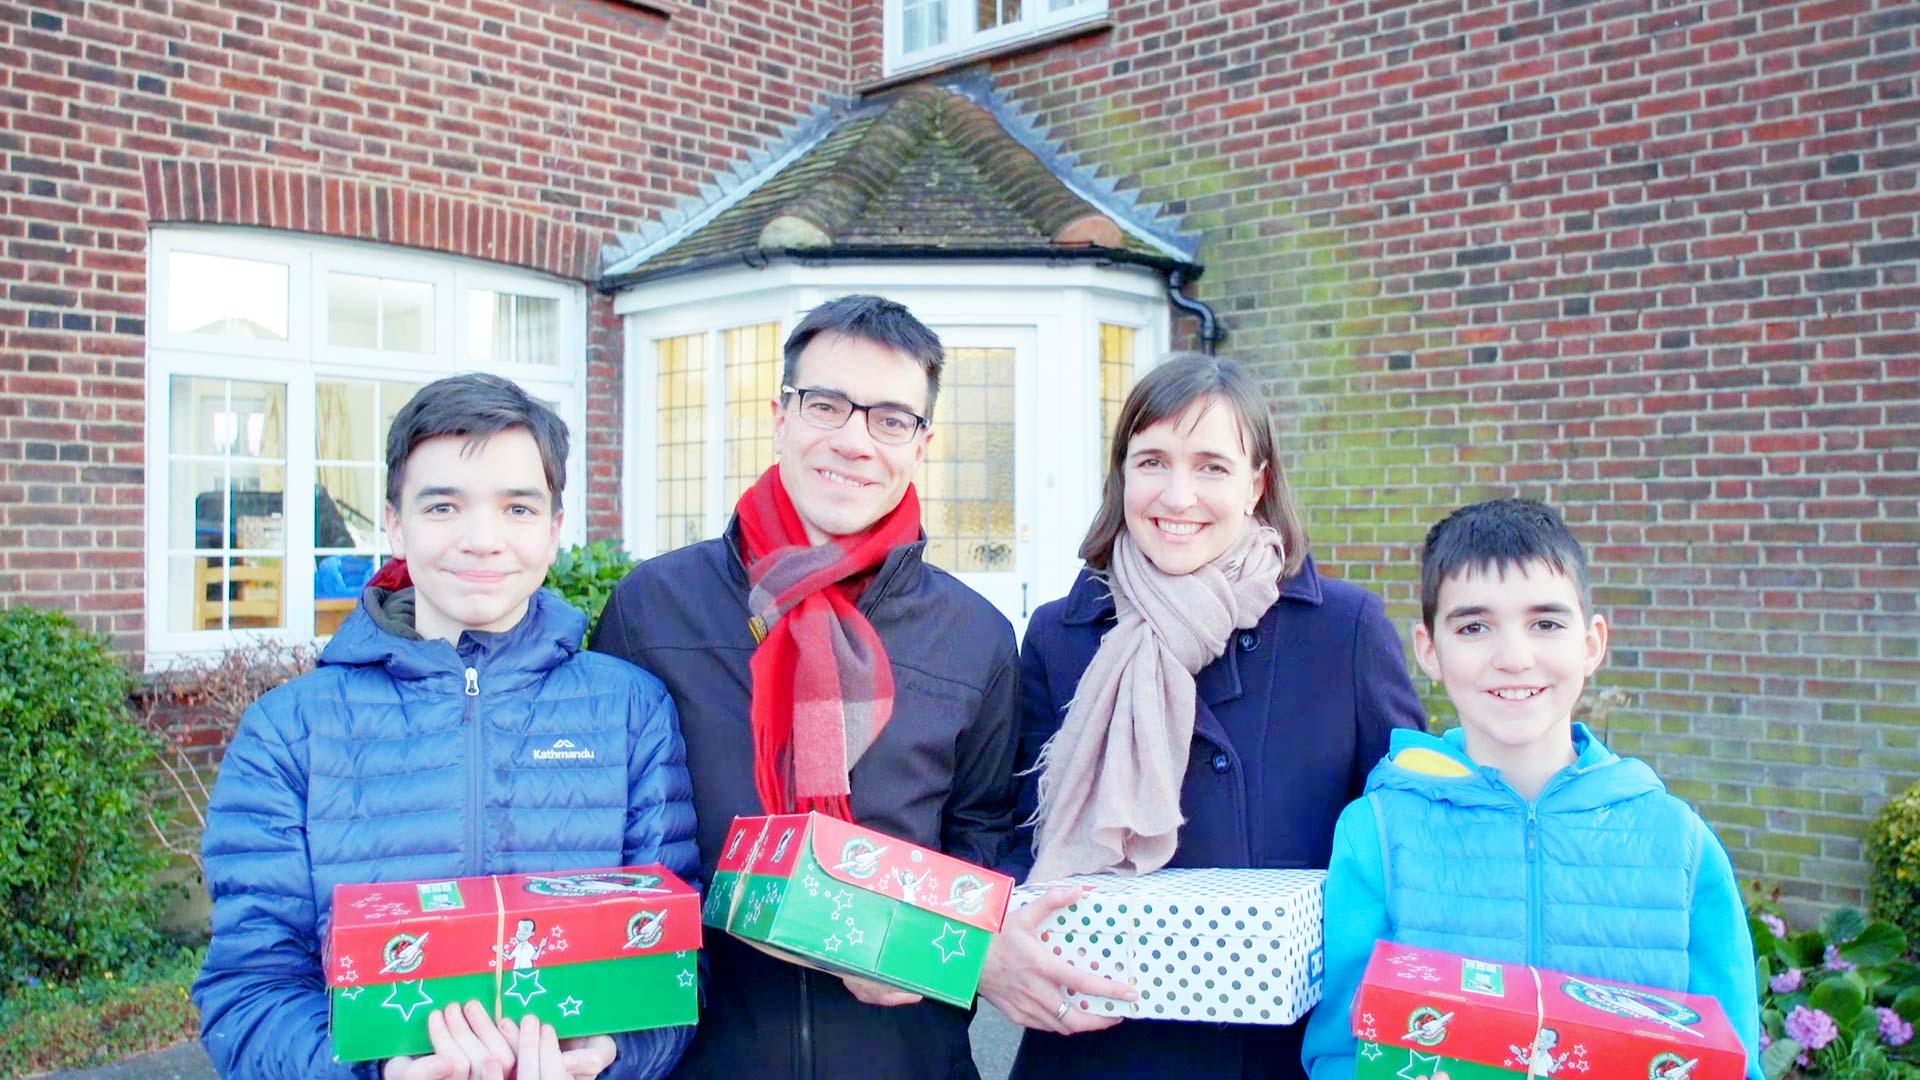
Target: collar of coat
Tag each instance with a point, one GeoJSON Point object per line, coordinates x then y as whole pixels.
{"type": "Point", "coordinates": [1090, 602]}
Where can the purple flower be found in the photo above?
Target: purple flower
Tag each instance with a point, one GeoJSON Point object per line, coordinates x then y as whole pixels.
{"type": "Point", "coordinates": [1766, 1040]}
{"type": "Point", "coordinates": [1834, 961]}
{"type": "Point", "coordinates": [1787, 981]}
{"type": "Point", "coordinates": [1811, 1028]}
{"type": "Point", "coordinates": [1776, 924]}
{"type": "Point", "coordinates": [1894, 1031]}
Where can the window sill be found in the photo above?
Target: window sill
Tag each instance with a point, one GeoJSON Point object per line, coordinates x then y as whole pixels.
{"type": "Point", "coordinates": [1098, 24]}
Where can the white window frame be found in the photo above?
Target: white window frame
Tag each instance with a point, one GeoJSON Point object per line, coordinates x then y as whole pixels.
{"type": "Point", "coordinates": [306, 359]}
{"type": "Point", "coordinates": [963, 40]}
{"type": "Point", "coordinates": [1063, 305]}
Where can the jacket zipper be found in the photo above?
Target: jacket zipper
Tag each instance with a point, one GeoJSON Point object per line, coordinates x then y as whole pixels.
{"type": "Point", "coordinates": [475, 767]}
{"type": "Point", "coordinates": [805, 1070]}
{"type": "Point", "coordinates": [1535, 929]}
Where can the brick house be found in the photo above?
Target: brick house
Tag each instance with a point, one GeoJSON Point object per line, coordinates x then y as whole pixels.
{"type": "Point", "coordinates": [1654, 261]}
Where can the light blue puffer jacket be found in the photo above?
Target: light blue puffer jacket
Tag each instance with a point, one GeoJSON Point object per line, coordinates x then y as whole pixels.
{"type": "Point", "coordinates": [400, 759]}
{"type": "Point", "coordinates": [1604, 874]}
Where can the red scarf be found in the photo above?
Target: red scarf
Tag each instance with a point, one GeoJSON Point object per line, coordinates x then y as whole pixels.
{"type": "Point", "coordinates": [822, 683]}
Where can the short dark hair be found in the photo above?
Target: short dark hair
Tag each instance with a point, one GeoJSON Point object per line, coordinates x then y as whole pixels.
{"type": "Point", "coordinates": [1167, 391]}
{"type": "Point", "coordinates": [870, 318]}
{"type": "Point", "coordinates": [1503, 535]}
{"type": "Point", "coordinates": [478, 407]}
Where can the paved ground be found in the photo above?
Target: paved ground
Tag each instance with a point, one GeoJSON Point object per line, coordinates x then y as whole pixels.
{"type": "Point", "coordinates": [994, 1039]}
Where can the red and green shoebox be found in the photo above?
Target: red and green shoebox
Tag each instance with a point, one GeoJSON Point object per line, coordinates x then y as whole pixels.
{"type": "Point", "coordinates": [591, 952]}
{"type": "Point", "coordinates": [847, 899]}
{"type": "Point", "coordinates": [1423, 1014]}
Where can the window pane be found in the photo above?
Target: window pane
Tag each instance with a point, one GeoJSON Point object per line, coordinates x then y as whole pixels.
{"type": "Point", "coordinates": [351, 421]}
{"type": "Point", "coordinates": [1116, 378]}
{"type": "Point", "coordinates": [682, 482]}
{"type": "Point", "coordinates": [991, 13]}
{"type": "Point", "coordinates": [213, 294]}
{"type": "Point", "coordinates": [406, 315]}
{"type": "Point", "coordinates": [753, 380]}
{"type": "Point", "coordinates": [227, 474]}
{"type": "Point", "coordinates": [967, 490]}
{"type": "Point", "coordinates": [343, 421]}
{"type": "Point", "coordinates": [353, 311]}
{"type": "Point", "coordinates": [348, 508]}
{"type": "Point", "coordinates": [509, 329]}
{"type": "Point", "coordinates": [924, 24]}
{"type": "Point", "coordinates": [225, 593]}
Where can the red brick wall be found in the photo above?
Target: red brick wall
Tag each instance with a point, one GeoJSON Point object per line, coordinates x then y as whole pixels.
{"type": "Point", "coordinates": [1653, 261]}
{"type": "Point", "coordinates": [526, 132]}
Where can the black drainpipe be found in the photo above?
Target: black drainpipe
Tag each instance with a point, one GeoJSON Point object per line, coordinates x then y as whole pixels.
{"type": "Point", "coordinates": [1211, 332]}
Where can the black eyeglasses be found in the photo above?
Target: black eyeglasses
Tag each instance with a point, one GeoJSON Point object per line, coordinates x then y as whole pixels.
{"type": "Point", "coordinates": [831, 410]}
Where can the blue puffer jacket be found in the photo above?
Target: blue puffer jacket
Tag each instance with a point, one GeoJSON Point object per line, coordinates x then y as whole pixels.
{"type": "Point", "coordinates": [400, 759]}
{"type": "Point", "coordinates": [1604, 874]}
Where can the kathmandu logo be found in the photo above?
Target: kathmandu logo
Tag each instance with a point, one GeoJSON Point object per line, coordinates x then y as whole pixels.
{"type": "Point", "coordinates": [403, 954]}
{"type": "Point", "coordinates": [1427, 1025]}
{"type": "Point", "coordinates": [1671, 1067]}
{"type": "Point", "coordinates": [1634, 1005]}
{"type": "Point", "coordinates": [644, 929]}
{"type": "Point", "coordinates": [564, 750]}
{"type": "Point", "coordinates": [860, 858]}
{"type": "Point", "coordinates": [607, 883]}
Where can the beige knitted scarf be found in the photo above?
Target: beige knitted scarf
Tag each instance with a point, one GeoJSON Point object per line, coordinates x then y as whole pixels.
{"type": "Point", "coordinates": [1110, 777]}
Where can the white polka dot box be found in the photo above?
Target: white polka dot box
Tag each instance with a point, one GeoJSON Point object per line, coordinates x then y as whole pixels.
{"type": "Point", "coordinates": [1215, 946]}
{"type": "Point", "coordinates": [588, 951]}
{"type": "Point", "coordinates": [1434, 1015]}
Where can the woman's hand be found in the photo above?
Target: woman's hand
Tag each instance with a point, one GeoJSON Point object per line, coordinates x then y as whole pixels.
{"type": "Point", "coordinates": [546, 1056]}
{"type": "Point", "coordinates": [466, 1046]}
{"type": "Point", "coordinates": [1029, 984]}
{"type": "Point", "coordinates": [873, 993]}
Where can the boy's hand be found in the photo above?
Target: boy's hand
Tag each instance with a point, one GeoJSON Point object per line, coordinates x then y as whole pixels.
{"type": "Point", "coordinates": [1028, 983]}
{"type": "Point", "coordinates": [543, 1056]}
{"type": "Point", "coordinates": [869, 992]}
{"type": "Point", "coordinates": [466, 1046]}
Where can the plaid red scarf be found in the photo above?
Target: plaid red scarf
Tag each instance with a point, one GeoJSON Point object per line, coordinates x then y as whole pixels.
{"type": "Point", "coordinates": [822, 683]}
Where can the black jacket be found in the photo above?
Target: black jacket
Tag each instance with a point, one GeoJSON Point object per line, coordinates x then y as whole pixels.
{"type": "Point", "coordinates": [941, 775]}
{"type": "Point", "coordinates": [1289, 721]}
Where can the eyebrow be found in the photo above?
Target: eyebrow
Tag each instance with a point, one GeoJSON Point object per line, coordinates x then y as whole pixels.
{"type": "Point", "coordinates": [1152, 449]}
{"type": "Point", "coordinates": [901, 405]}
{"type": "Point", "coordinates": [1477, 610]}
{"type": "Point", "coordinates": [444, 490]}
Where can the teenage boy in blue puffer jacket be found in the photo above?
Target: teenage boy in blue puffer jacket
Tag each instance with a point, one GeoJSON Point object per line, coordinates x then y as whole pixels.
{"type": "Point", "coordinates": [411, 753]}
{"type": "Point", "coordinates": [1518, 837]}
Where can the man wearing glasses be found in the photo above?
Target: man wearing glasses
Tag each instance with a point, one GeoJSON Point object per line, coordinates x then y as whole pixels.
{"type": "Point", "coordinates": [819, 664]}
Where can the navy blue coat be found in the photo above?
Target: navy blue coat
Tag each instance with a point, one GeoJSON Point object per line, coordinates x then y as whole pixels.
{"type": "Point", "coordinates": [401, 759]}
{"type": "Point", "coordinates": [1290, 720]}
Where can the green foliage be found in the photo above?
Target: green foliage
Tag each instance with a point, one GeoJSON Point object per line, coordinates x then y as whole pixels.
{"type": "Point", "coordinates": [77, 855]}
{"type": "Point", "coordinates": [1851, 970]}
{"type": "Point", "coordinates": [103, 1018]}
{"type": "Point", "coordinates": [1893, 856]}
{"type": "Point", "coordinates": [585, 576]}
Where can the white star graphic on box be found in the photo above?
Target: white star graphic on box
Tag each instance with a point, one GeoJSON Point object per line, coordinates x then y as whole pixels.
{"type": "Point", "coordinates": [1415, 1057]}
{"type": "Point", "coordinates": [570, 1006]}
{"type": "Point", "coordinates": [686, 978]}
{"type": "Point", "coordinates": [832, 944]}
{"type": "Point", "coordinates": [521, 981]}
{"type": "Point", "coordinates": [346, 961]}
{"type": "Point", "coordinates": [855, 935]}
{"type": "Point", "coordinates": [1369, 1051]}
{"type": "Point", "coordinates": [353, 993]}
{"type": "Point", "coordinates": [349, 976]}
{"type": "Point", "coordinates": [958, 944]}
{"type": "Point", "coordinates": [1403, 958]}
{"type": "Point", "coordinates": [812, 883]}
{"type": "Point", "coordinates": [841, 901]}
{"type": "Point", "coordinates": [406, 1007]}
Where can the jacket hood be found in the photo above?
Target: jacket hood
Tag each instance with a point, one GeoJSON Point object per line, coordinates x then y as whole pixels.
{"type": "Point", "coordinates": [543, 639]}
{"type": "Point", "coordinates": [1437, 767]}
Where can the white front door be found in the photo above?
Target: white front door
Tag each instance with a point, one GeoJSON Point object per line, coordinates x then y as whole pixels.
{"type": "Point", "coordinates": [976, 486]}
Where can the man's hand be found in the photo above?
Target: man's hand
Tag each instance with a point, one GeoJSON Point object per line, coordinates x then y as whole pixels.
{"type": "Point", "coordinates": [1028, 983]}
{"type": "Point", "coordinates": [466, 1046]}
{"type": "Point", "coordinates": [873, 993]}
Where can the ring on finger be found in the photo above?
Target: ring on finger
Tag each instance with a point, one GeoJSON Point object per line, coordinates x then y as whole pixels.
{"type": "Point", "coordinates": [1061, 1013]}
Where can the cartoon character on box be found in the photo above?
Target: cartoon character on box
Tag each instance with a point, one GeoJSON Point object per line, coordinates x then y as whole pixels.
{"type": "Point", "coordinates": [1539, 1058]}
{"type": "Point", "coordinates": [522, 950]}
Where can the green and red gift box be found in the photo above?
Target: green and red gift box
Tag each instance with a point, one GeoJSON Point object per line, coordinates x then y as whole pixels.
{"type": "Point", "coordinates": [1423, 1014]}
{"type": "Point", "coordinates": [847, 899]}
{"type": "Point", "coordinates": [591, 952]}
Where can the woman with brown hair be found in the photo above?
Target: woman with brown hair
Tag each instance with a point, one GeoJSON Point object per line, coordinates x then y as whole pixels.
{"type": "Point", "coordinates": [1202, 697]}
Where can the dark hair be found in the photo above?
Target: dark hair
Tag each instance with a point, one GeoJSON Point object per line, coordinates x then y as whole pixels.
{"type": "Point", "coordinates": [1167, 391]}
{"type": "Point", "coordinates": [478, 407]}
{"type": "Point", "coordinates": [1503, 535]}
{"type": "Point", "coordinates": [875, 319]}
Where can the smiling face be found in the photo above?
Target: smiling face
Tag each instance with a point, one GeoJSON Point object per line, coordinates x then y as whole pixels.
{"type": "Point", "coordinates": [1513, 651]}
{"type": "Point", "coordinates": [477, 529]}
{"type": "Point", "coordinates": [1190, 486]}
{"type": "Point", "coordinates": [841, 480]}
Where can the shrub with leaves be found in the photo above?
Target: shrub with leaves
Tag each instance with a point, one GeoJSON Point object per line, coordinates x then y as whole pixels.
{"type": "Point", "coordinates": [1893, 854]}
{"type": "Point", "coordinates": [1839, 1001]}
{"type": "Point", "coordinates": [585, 576]}
{"type": "Point", "coordinates": [77, 860]}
